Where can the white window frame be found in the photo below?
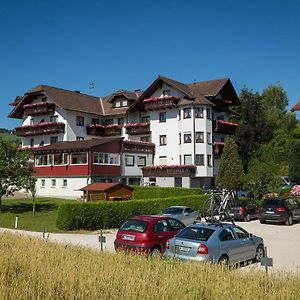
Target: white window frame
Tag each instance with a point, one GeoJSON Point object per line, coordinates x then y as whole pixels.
{"type": "Point", "coordinates": [109, 156]}
{"type": "Point", "coordinates": [126, 160]}
{"type": "Point", "coordinates": [144, 158]}
{"type": "Point", "coordinates": [63, 181]}
{"type": "Point", "coordinates": [53, 181]}
{"type": "Point", "coordinates": [43, 183]}
{"type": "Point", "coordinates": [71, 158]}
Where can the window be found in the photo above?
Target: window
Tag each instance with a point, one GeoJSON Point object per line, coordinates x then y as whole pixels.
{"type": "Point", "coordinates": [41, 160]}
{"type": "Point", "coordinates": [50, 159]}
{"type": "Point", "coordinates": [65, 158]}
{"type": "Point", "coordinates": [79, 138]}
{"type": "Point", "coordinates": [187, 137]}
{"type": "Point", "coordinates": [95, 121]}
{"type": "Point", "coordinates": [106, 158]}
{"type": "Point", "coordinates": [179, 138]}
{"type": "Point", "coordinates": [175, 225]}
{"type": "Point", "coordinates": [162, 160]}
{"type": "Point", "coordinates": [241, 233]}
{"type": "Point", "coordinates": [109, 122]}
{"type": "Point", "coordinates": [208, 138]}
{"type": "Point", "coordinates": [199, 112]}
{"type": "Point", "coordinates": [79, 121]}
{"type": "Point", "coordinates": [31, 121]}
{"type": "Point", "coordinates": [118, 104]}
{"type": "Point", "coordinates": [44, 99]}
{"type": "Point", "coordinates": [162, 140]}
{"type": "Point", "coordinates": [187, 113]}
{"type": "Point", "coordinates": [166, 93]}
{"type": "Point", "coordinates": [141, 161]}
{"type": "Point", "coordinates": [208, 113]}
{"type": "Point", "coordinates": [209, 161]}
{"type": "Point", "coordinates": [64, 183]}
{"type": "Point", "coordinates": [53, 182]}
{"type": "Point", "coordinates": [226, 235]}
{"type": "Point", "coordinates": [196, 233]}
{"type": "Point", "coordinates": [57, 159]}
{"type": "Point", "coordinates": [43, 183]}
{"type": "Point", "coordinates": [121, 121]}
{"type": "Point", "coordinates": [121, 103]}
{"type": "Point", "coordinates": [79, 158]}
{"type": "Point", "coordinates": [162, 117]}
{"type": "Point", "coordinates": [145, 138]}
{"type": "Point", "coordinates": [31, 142]}
{"type": "Point", "coordinates": [161, 226]}
{"type": "Point", "coordinates": [53, 118]}
{"type": "Point", "coordinates": [187, 159]}
{"type": "Point", "coordinates": [146, 119]}
{"type": "Point", "coordinates": [199, 159]}
{"type": "Point", "coordinates": [53, 139]}
{"type": "Point", "coordinates": [179, 114]}
{"type": "Point", "coordinates": [199, 136]}
{"type": "Point", "coordinates": [129, 160]}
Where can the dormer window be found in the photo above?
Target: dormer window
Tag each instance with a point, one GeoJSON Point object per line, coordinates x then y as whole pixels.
{"type": "Point", "coordinates": [121, 103]}
{"type": "Point", "coordinates": [44, 99]}
{"type": "Point", "coordinates": [166, 93]}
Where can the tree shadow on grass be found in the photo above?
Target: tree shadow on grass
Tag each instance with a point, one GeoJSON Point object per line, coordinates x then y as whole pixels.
{"type": "Point", "coordinates": [26, 207]}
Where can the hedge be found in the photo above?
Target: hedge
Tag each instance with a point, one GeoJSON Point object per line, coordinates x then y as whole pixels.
{"type": "Point", "coordinates": [145, 192]}
{"type": "Point", "coordinates": [103, 215]}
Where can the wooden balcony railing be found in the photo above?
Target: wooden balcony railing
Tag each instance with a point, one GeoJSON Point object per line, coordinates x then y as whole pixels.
{"type": "Point", "coordinates": [169, 171]}
{"type": "Point", "coordinates": [40, 129]}
{"type": "Point", "coordinates": [226, 127]}
{"type": "Point", "coordinates": [103, 130]}
{"type": "Point", "coordinates": [37, 109]}
{"type": "Point", "coordinates": [138, 147]}
{"type": "Point", "coordinates": [160, 103]}
{"type": "Point", "coordinates": [138, 128]}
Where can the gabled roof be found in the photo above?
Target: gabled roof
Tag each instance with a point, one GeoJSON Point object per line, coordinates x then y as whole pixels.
{"type": "Point", "coordinates": [296, 107]}
{"type": "Point", "coordinates": [126, 94]}
{"type": "Point", "coordinates": [207, 88]}
{"type": "Point", "coordinates": [71, 100]}
{"type": "Point", "coordinates": [104, 187]}
{"type": "Point", "coordinates": [75, 145]}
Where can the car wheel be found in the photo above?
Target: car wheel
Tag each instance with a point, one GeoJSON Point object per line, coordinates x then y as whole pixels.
{"type": "Point", "coordinates": [247, 218]}
{"type": "Point", "coordinates": [223, 260]}
{"type": "Point", "coordinates": [289, 221]}
{"type": "Point", "coordinates": [155, 252]}
{"type": "Point", "coordinates": [260, 253]}
{"type": "Point", "coordinates": [262, 221]}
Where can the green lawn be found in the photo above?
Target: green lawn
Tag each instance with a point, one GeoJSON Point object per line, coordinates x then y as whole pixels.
{"type": "Point", "coordinates": [10, 138]}
{"type": "Point", "coordinates": [46, 213]}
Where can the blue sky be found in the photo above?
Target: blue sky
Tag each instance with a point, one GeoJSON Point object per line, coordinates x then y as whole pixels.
{"type": "Point", "coordinates": [127, 44]}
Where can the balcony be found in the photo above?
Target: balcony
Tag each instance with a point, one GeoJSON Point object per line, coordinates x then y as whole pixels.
{"type": "Point", "coordinates": [218, 148]}
{"type": "Point", "coordinates": [226, 127]}
{"type": "Point", "coordinates": [103, 130]}
{"type": "Point", "coordinates": [160, 103]}
{"type": "Point", "coordinates": [41, 129]}
{"type": "Point", "coordinates": [138, 128]}
{"type": "Point", "coordinates": [38, 109]}
{"type": "Point", "coordinates": [169, 171]}
{"type": "Point", "coordinates": [138, 147]}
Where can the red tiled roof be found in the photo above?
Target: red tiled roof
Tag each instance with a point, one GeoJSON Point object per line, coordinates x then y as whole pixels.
{"type": "Point", "coordinates": [296, 107]}
{"type": "Point", "coordinates": [104, 187]}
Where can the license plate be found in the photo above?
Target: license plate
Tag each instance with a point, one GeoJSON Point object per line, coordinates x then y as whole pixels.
{"type": "Point", "coordinates": [184, 249]}
{"type": "Point", "coordinates": [128, 237]}
{"type": "Point", "coordinates": [231, 215]}
{"type": "Point", "coordinates": [269, 212]}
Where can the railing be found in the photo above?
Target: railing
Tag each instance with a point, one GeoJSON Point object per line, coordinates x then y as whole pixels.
{"type": "Point", "coordinates": [160, 103]}
{"type": "Point", "coordinates": [103, 130]}
{"type": "Point", "coordinates": [138, 147]}
{"type": "Point", "coordinates": [138, 128]}
{"type": "Point", "coordinates": [226, 127]}
{"type": "Point", "coordinates": [40, 129]}
{"type": "Point", "coordinates": [169, 171]}
{"type": "Point", "coordinates": [218, 148]}
{"type": "Point", "coordinates": [37, 109]}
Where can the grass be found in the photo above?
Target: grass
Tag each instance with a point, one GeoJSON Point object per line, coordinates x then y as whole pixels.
{"type": "Point", "coordinates": [10, 138]}
{"type": "Point", "coordinates": [46, 214]}
{"type": "Point", "coordinates": [36, 269]}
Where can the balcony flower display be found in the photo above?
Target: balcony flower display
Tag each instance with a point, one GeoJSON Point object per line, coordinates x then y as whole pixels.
{"type": "Point", "coordinates": [104, 130]}
{"type": "Point", "coordinates": [140, 143]}
{"type": "Point", "coordinates": [137, 128]}
{"type": "Point", "coordinates": [164, 167]}
{"type": "Point", "coordinates": [39, 108]}
{"type": "Point", "coordinates": [131, 125]}
{"type": "Point", "coordinates": [40, 128]}
{"type": "Point", "coordinates": [38, 104]}
{"type": "Point", "coordinates": [160, 102]}
{"type": "Point", "coordinates": [226, 123]}
{"type": "Point", "coordinates": [169, 170]}
{"type": "Point", "coordinates": [165, 98]}
{"type": "Point", "coordinates": [295, 191]}
{"type": "Point", "coordinates": [38, 125]}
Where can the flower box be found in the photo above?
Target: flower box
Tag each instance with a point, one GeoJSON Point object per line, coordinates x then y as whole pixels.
{"type": "Point", "coordinates": [40, 129]}
{"type": "Point", "coordinates": [104, 130]}
{"type": "Point", "coordinates": [160, 102]}
{"type": "Point", "coordinates": [226, 127]}
{"type": "Point", "coordinates": [169, 171]}
{"type": "Point", "coordinates": [40, 108]}
{"type": "Point", "coordinates": [138, 128]}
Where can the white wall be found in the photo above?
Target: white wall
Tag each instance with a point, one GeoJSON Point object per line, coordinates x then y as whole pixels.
{"type": "Point", "coordinates": [134, 170]}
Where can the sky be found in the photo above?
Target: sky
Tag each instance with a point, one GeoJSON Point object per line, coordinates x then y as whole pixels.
{"type": "Point", "coordinates": [127, 44]}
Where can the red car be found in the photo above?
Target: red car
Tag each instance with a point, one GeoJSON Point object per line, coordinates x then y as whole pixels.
{"type": "Point", "coordinates": [147, 234]}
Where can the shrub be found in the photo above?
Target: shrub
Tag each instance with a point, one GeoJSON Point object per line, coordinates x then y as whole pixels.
{"type": "Point", "coordinates": [92, 216]}
{"type": "Point", "coordinates": [295, 191]}
{"type": "Point", "coordinates": [145, 192]}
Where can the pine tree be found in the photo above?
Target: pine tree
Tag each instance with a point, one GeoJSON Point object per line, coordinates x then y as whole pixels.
{"type": "Point", "coordinates": [231, 172]}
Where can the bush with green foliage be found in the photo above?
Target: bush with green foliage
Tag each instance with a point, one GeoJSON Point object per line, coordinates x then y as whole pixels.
{"type": "Point", "coordinates": [102, 215]}
{"type": "Point", "coordinates": [145, 192]}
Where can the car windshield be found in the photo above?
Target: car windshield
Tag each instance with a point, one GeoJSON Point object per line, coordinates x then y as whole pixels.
{"type": "Point", "coordinates": [173, 211]}
{"type": "Point", "coordinates": [196, 233]}
{"type": "Point", "coordinates": [135, 225]}
{"type": "Point", "coordinates": [273, 202]}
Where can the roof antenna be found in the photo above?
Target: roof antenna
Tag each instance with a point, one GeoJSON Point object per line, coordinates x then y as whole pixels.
{"type": "Point", "coordinates": [91, 87]}
{"type": "Point", "coordinates": [194, 81]}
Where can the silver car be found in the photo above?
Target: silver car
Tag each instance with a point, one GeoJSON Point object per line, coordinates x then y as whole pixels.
{"type": "Point", "coordinates": [182, 213]}
{"type": "Point", "coordinates": [219, 243]}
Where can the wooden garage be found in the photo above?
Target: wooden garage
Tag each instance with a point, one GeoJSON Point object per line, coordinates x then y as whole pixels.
{"type": "Point", "coordinates": [107, 192]}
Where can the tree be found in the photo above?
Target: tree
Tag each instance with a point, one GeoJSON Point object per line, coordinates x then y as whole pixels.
{"type": "Point", "coordinates": [294, 162]}
{"type": "Point", "coordinates": [30, 186]}
{"type": "Point", "coordinates": [275, 97]}
{"type": "Point", "coordinates": [14, 168]}
{"type": "Point", "coordinates": [231, 173]}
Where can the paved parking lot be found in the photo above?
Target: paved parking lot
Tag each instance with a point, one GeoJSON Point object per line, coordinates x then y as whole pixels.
{"type": "Point", "coordinates": [283, 242]}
